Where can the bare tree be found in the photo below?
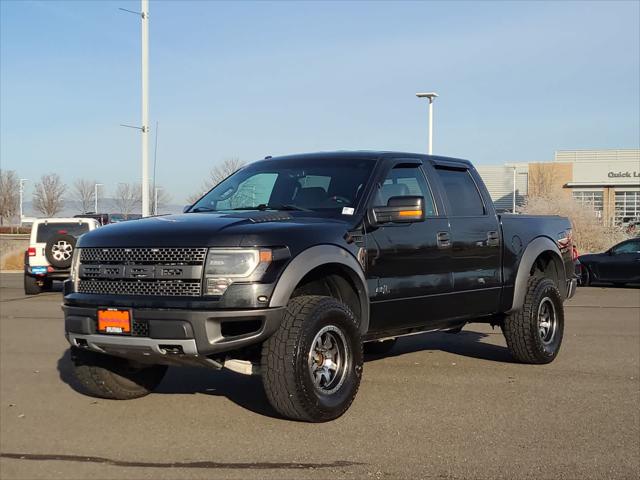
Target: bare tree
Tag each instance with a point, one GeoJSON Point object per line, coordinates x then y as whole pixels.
{"type": "Point", "coordinates": [48, 195]}
{"type": "Point", "coordinates": [84, 193]}
{"type": "Point", "coordinates": [163, 198]}
{"type": "Point", "coordinates": [589, 234]}
{"type": "Point", "coordinates": [543, 180]}
{"type": "Point", "coordinates": [9, 195]}
{"type": "Point", "coordinates": [217, 174]}
{"type": "Point", "coordinates": [127, 198]}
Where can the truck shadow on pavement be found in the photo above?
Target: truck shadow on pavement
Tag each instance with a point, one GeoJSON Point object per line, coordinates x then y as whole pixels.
{"type": "Point", "coordinates": [247, 392]}
{"type": "Point", "coordinates": [466, 343]}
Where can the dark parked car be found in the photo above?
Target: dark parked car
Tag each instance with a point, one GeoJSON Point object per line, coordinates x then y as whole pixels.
{"type": "Point", "coordinates": [618, 265]}
{"type": "Point", "coordinates": [289, 265]}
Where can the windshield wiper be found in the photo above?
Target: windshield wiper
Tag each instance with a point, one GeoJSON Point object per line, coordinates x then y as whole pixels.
{"type": "Point", "coordinates": [264, 206]}
{"type": "Point", "coordinates": [202, 209]}
{"type": "Point", "coordinates": [288, 206]}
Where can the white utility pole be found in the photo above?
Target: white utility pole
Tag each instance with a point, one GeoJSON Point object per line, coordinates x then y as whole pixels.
{"type": "Point", "coordinates": [431, 96]}
{"type": "Point", "coordinates": [22, 182]}
{"type": "Point", "coordinates": [513, 210]}
{"type": "Point", "coordinates": [95, 197]}
{"type": "Point", "coordinates": [145, 107]}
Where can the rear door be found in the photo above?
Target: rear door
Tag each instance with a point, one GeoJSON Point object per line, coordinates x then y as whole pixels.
{"type": "Point", "coordinates": [476, 242]}
{"type": "Point", "coordinates": [407, 265]}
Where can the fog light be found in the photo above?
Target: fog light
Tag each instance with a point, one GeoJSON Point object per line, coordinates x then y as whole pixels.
{"type": "Point", "coordinates": [217, 286]}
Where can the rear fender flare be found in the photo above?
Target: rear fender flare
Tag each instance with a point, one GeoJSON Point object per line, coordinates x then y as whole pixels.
{"type": "Point", "coordinates": [531, 253]}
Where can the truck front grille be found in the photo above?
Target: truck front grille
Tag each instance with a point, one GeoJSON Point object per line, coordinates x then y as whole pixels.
{"type": "Point", "coordinates": [141, 287]}
{"type": "Point", "coordinates": [171, 272]}
{"type": "Point", "coordinates": [186, 256]}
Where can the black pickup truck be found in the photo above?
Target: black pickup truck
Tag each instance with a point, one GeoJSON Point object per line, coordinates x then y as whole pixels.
{"type": "Point", "coordinates": [292, 266]}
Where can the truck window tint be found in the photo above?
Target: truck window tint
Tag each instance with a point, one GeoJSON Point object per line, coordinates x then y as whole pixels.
{"type": "Point", "coordinates": [311, 181]}
{"type": "Point", "coordinates": [319, 184]}
{"type": "Point", "coordinates": [48, 230]}
{"type": "Point", "coordinates": [253, 191]}
{"type": "Point", "coordinates": [462, 192]}
{"type": "Point", "coordinates": [403, 181]}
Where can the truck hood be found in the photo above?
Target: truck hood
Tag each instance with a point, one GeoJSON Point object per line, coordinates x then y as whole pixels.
{"type": "Point", "coordinates": [254, 228]}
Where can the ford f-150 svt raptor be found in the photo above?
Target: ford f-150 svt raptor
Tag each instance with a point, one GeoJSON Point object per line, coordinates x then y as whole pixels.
{"type": "Point", "coordinates": [292, 263]}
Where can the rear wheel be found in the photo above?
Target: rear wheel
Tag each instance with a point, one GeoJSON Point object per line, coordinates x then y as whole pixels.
{"type": "Point", "coordinates": [116, 378]}
{"type": "Point", "coordinates": [311, 366]}
{"type": "Point", "coordinates": [31, 286]}
{"type": "Point", "coordinates": [534, 333]}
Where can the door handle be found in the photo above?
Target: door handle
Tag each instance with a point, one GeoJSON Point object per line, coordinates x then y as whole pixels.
{"type": "Point", "coordinates": [493, 239]}
{"type": "Point", "coordinates": [443, 239]}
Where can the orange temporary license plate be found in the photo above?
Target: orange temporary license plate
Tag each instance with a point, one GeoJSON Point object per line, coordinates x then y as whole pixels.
{"type": "Point", "coordinates": [114, 321]}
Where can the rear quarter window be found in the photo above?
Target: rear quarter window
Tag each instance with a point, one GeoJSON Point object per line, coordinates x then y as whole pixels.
{"type": "Point", "coordinates": [48, 230]}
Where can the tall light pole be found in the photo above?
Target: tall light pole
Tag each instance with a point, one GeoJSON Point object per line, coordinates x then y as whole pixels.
{"type": "Point", "coordinates": [155, 200]}
{"type": "Point", "coordinates": [145, 107]}
{"type": "Point", "coordinates": [95, 197]}
{"type": "Point", "coordinates": [22, 182]}
{"type": "Point", "coordinates": [431, 96]}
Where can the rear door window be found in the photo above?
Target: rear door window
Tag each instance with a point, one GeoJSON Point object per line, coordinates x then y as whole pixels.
{"type": "Point", "coordinates": [48, 230]}
{"type": "Point", "coordinates": [462, 192]}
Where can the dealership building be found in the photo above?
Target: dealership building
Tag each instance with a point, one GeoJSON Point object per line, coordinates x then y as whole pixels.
{"type": "Point", "coordinates": [606, 180]}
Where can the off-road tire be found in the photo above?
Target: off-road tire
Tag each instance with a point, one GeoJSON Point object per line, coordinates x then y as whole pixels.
{"type": "Point", "coordinates": [379, 348]}
{"type": "Point", "coordinates": [52, 242]}
{"type": "Point", "coordinates": [286, 374]}
{"type": "Point", "coordinates": [105, 376]}
{"type": "Point", "coordinates": [521, 328]}
{"type": "Point", "coordinates": [31, 286]}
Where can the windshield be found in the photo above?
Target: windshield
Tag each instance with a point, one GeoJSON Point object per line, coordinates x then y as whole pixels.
{"type": "Point", "coordinates": [321, 184]}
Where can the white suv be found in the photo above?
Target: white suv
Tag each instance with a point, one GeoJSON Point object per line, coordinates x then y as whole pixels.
{"type": "Point", "coordinates": [50, 250]}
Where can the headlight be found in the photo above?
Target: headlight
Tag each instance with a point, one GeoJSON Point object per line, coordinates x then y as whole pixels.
{"type": "Point", "coordinates": [75, 267]}
{"type": "Point", "coordinates": [225, 266]}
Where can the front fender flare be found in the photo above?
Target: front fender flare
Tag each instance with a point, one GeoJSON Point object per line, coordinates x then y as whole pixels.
{"type": "Point", "coordinates": [315, 257]}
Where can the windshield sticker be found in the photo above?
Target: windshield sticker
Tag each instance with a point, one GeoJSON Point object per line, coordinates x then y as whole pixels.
{"type": "Point", "coordinates": [348, 211]}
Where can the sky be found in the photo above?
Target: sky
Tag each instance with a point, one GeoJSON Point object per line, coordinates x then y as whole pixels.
{"type": "Point", "coordinates": [516, 81]}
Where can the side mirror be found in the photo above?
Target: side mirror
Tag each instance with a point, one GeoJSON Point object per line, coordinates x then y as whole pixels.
{"type": "Point", "coordinates": [408, 209]}
{"type": "Point", "coordinates": [186, 208]}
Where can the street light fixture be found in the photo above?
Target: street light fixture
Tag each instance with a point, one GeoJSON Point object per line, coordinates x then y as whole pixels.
{"type": "Point", "coordinates": [431, 96]}
{"type": "Point", "coordinates": [95, 197]}
{"type": "Point", "coordinates": [22, 182]}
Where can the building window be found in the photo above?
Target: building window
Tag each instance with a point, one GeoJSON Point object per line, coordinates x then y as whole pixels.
{"type": "Point", "coordinates": [627, 206]}
{"type": "Point", "coordinates": [591, 199]}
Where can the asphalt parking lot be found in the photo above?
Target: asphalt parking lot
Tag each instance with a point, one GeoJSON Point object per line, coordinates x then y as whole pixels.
{"type": "Point", "coordinates": [439, 406]}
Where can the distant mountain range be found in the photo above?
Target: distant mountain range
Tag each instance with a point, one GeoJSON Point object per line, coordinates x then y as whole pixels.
{"type": "Point", "coordinates": [105, 205]}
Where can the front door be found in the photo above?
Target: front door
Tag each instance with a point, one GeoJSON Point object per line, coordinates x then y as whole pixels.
{"type": "Point", "coordinates": [408, 264]}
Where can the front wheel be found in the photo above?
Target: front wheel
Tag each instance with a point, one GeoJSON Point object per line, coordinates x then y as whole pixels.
{"type": "Point", "coordinates": [534, 333]}
{"type": "Point", "coordinates": [116, 378]}
{"type": "Point", "coordinates": [311, 366]}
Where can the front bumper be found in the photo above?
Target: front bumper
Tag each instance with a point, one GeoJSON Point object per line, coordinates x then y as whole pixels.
{"type": "Point", "coordinates": [173, 336]}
